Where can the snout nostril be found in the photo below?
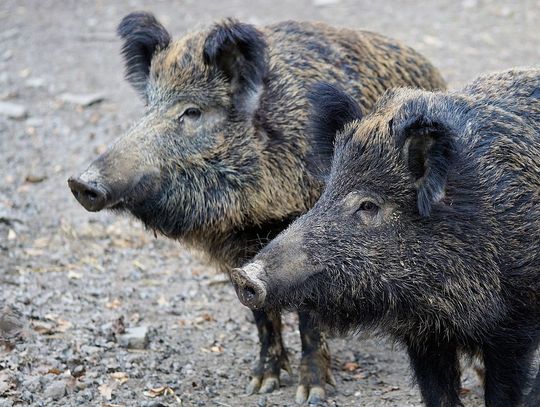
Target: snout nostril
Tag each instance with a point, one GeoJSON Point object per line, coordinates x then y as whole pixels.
{"type": "Point", "coordinates": [250, 290]}
{"type": "Point", "coordinates": [249, 293]}
{"type": "Point", "coordinates": [90, 195]}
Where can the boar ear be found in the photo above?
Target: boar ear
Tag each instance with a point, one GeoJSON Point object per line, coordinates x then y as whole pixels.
{"type": "Point", "coordinates": [239, 51]}
{"type": "Point", "coordinates": [143, 35]}
{"type": "Point", "coordinates": [331, 110]}
{"type": "Point", "coordinates": [428, 147]}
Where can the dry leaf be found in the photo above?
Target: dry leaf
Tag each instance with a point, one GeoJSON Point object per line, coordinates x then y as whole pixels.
{"type": "Point", "coordinates": [139, 265]}
{"type": "Point", "coordinates": [113, 304]}
{"type": "Point", "coordinates": [55, 371]}
{"type": "Point", "coordinates": [73, 275]}
{"type": "Point", "coordinates": [43, 327]}
{"type": "Point", "coordinates": [106, 390]}
{"type": "Point", "coordinates": [162, 301]}
{"type": "Point", "coordinates": [350, 366]}
{"type": "Point", "coordinates": [34, 252]}
{"type": "Point", "coordinates": [120, 377]}
{"type": "Point", "coordinates": [158, 391]}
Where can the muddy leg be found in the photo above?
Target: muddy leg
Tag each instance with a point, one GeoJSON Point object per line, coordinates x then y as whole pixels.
{"type": "Point", "coordinates": [315, 369]}
{"type": "Point", "coordinates": [272, 357]}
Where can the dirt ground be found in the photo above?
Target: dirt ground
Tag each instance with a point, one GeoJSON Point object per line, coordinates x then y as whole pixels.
{"type": "Point", "coordinates": [78, 280]}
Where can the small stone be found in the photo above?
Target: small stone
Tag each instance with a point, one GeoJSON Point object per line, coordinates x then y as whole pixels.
{"type": "Point", "coordinates": [35, 82]}
{"type": "Point", "coordinates": [34, 122]}
{"type": "Point", "coordinates": [55, 390]}
{"type": "Point", "coordinates": [83, 99]}
{"type": "Point", "coordinates": [134, 338]}
{"type": "Point", "coordinates": [32, 384]}
{"type": "Point", "coordinates": [13, 110]}
{"type": "Point", "coordinates": [262, 401]}
{"type": "Point", "coordinates": [78, 371]}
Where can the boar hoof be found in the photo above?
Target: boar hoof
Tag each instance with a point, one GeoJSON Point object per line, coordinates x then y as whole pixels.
{"type": "Point", "coordinates": [315, 395]}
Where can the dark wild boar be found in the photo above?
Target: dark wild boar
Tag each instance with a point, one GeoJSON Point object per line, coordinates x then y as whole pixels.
{"type": "Point", "coordinates": [428, 231]}
{"type": "Point", "coordinates": [219, 158]}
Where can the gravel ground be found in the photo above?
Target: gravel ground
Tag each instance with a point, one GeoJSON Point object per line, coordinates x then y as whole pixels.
{"type": "Point", "coordinates": [115, 317]}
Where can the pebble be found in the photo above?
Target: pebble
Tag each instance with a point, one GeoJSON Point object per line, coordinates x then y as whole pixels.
{"type": "Point", "coordinates": [13, 110]}
{"type": "Point", "coordinates": [32, 384]}
{"type": "Point", "coordinates": [134, 338]}
{"type": "Point", "coordinates": [35, 82]}
{"type": "Point", "coordinates": [55, 390]}
{"type": "Point", "coordinates": [83, 99]}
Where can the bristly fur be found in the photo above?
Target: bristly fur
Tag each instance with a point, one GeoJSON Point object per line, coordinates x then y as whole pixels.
{"type": "Point", "coordinates": [331, 110]}
{"type": "Point", "coordinates": [452, 270]}
{"type": "Point", "coordinates": [143, 36]}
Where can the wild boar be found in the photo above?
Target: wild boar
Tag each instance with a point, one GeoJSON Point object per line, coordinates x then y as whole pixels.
{"type": "Point", "coordinates": [428, 230]}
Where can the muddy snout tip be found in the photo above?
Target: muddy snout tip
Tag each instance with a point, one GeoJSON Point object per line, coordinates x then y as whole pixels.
{"type": "Point", "coordinates": [249, 288]}
{"type": "Point", "coordinates": [92, 196]}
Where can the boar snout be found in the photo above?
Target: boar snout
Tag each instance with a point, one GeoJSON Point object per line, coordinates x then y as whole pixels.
{"type": "Point", "coordinates": [251, 290]}
{"type": "Point", "coordinates": [93, 196]}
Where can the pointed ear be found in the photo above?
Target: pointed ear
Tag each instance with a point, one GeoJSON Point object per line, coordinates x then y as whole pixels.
{"type": "Point", "coordinates": [331, 110]}
{"type": "Point", "coordinates": [428, 147]}
{"type": "Point", "coordinates": [143, 35]}
{"type": "Point", "coordinates": [239, 51]}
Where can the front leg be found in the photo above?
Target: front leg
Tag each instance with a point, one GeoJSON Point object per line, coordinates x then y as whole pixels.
{"type": "Point", "coordinates": [272, 357]}
{"type": "Point", "coordinates": [315, 369]}
{"type": "Point", "coordinates": [508, 364]}
{"type": "Point", "coordinates": [437, 372]}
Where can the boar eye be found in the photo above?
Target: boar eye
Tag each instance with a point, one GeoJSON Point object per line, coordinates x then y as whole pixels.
{"type": "Point", "coordinates": [191, 113]}
{"type": "Point", "coordinates": [368, 206]}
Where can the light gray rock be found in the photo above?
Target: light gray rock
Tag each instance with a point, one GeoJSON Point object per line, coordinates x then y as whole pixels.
{"type": "Point", "coordinates": [82, 99]}
{"type": "Point", "coordinates": [56, 390]}
{"type": "Point", "coordinates": [13, 110]}
{"type": "Point", "coordinates": [134, 338]}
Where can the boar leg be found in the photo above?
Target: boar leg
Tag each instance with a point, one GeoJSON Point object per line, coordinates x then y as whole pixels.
{"type": "Point", "coordinates": [436, 368]}
{"type": "Point", "coordinates": [508, 367]}
{"type": "Point", "coordinates": [315, 369]}
{"type": "Point", "coordinates": [272, 357]}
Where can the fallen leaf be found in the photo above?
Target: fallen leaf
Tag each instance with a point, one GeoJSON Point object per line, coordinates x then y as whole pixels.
{"type": "Point", "coordinates": [162, 301]}
{"type": "Point", "coordinates": [113, 304]}
{"type": "Point", "coordinates": [35, 178]}
{"type": "Point", "coordinates": [43, 327]}
{"type": "Point", "coordinates": [388, 389]}
{"type": "Point", "coordinates": [55, 371]}
{"type": "Point", "coordinates": [350, 366]}
{"type": "Point", "coordinates": [139, 265]}
{"type": "Point", "coordinates": [120, 377]}
{"type": "Point", "coordinates": [156, 392]}
{"type": "Point", "coordinates": [73, 275]}
{"type": "Point", "coordinates": [63, 325]}
{"type": "Point", "coordinates": [106, 390]}
{"type": "Point", "coordinates": [34, 252]}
